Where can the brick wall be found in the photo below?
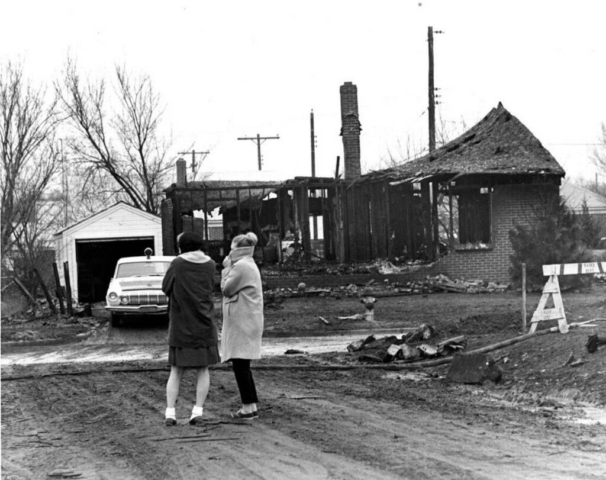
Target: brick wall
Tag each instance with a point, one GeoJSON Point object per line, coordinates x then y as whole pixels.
{"type": "Point", "coordinates": [511, 204]}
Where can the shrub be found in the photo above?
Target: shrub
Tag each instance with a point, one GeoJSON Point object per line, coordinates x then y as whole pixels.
{"type": "Point", "coordinates": [555, 235]}
{"type": "Point", "coordinates": [589, 226]}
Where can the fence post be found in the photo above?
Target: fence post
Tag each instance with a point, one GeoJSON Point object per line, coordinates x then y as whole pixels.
{"type": "Point", "coordinates": [68, 289]}
{"type": "Point", "coordinates": [49, 299]}
{"type": "Point", "coordinates": [524, 297]}
{"type": "Point", "coordinates": [58, 288]}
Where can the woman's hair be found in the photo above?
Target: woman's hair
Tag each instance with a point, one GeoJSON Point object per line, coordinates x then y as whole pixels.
{"type": "Point", "coordinates": [247, 240]}
{"type": "Point", "coordinates": [189, 242]}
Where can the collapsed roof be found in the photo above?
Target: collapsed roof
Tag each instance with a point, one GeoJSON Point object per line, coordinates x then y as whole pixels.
{"type": "Point", "coordinates": [210, 194]}
{"type": "Point", "coordinates": [499, 144]}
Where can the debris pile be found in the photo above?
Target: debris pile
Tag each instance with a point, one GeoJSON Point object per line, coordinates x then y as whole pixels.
{"type": "Point", "coordinates": [410, 347]}
{"type": "Point", "coordinates": [600, 277]}
{"type": "Point", "coordinates": [385, 267]}
{"type": "Point", "coordinates": [443, 283]}
{"type": "Point", "coordinates": [593, 342]}
{"type": "Point", "coordinates": [474, 368]}
{"type": "Point", "coordinates": [438, 284]}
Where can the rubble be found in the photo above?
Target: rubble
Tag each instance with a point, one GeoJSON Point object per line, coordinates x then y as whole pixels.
{"type": "Point", "coordinates": [593, 342]}
{"type": "Point", "coordinates": [442, 282]}
{"type": "Point", "coordinates": [403, 349]}
{"type": "Point", "coordinates": [423, 332]}
{"type": "Point", "coordinates": [473, 368]}
{"type": "Point", "coordinates": [359, 344]}
{"type": "Point", "coordinates": [437, 284]}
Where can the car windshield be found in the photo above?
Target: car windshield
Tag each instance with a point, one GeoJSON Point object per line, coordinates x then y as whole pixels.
{"type": "Point", "coordinates": [138, 269]}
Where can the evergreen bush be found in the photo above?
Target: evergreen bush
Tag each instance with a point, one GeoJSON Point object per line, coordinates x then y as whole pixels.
{"type": "Point", "coordinates": [555, 235]}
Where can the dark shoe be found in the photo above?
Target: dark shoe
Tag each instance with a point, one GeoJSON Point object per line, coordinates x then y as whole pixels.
{"type": "Point", "coordinates": [170, 422]}
{"type": "Point", "coordinates": [243, 416]}
{"type": "Point", "coordinates": [196, 421]}
{"type": "Point", "coordinates": [255, 414]}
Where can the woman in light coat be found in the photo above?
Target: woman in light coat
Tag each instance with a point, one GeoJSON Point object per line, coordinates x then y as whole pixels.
{"type": "Point", "coordinates": [242, 318]}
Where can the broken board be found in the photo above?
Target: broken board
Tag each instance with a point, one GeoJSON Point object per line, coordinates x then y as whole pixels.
{"type": "Point", "coordinates": [551, 289]}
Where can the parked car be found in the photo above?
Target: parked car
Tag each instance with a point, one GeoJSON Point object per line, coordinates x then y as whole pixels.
{"type": "Point", "coordinates": [136, 288]}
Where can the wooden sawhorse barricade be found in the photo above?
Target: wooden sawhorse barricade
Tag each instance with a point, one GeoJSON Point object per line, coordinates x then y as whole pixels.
{"type": "Point", "coordinates": [552, 288]}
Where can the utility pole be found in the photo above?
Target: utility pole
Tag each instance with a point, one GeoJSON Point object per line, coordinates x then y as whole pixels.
{"type": "Point", "coordinates": [65, 181]}
{"type": "Point", "coordinates": [313, 145]}
{"type": "Point", "coordinates": [259, 140]}
{"type": "Point", "coordinates": [432, 188]}
{"type": "Point", "coordinates": [432, 98]}
{"type": "Point", "coordinates": [195, 165]}
{"type": "Point", "coordinates": [313, 169]}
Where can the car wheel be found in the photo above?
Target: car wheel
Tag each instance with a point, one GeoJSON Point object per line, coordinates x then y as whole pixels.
{"type": "Point", "coordinates": [116, 320]}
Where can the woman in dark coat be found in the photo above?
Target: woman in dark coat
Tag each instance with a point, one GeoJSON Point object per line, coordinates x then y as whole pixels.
{"type": "Point", "coordinates": [192, 336]}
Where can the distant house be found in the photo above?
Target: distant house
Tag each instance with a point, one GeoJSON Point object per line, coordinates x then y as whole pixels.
{"type": "Point", "coordinates": [93, 246]}
{"type": "Point", "coordinates": [575, 196]}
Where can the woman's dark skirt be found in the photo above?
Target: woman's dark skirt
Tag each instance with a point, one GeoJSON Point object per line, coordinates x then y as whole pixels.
{"type": "Point", "coordinates": [193, 357]}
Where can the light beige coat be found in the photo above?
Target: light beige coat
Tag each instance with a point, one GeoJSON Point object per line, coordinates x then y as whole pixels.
{"type": "Point", "coordinates": [242, 306]}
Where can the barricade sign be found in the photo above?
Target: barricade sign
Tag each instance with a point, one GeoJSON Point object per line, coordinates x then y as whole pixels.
{"type": "Point", "coordinates": [552, 289]}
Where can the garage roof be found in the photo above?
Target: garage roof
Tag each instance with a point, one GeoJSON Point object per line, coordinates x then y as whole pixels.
{"type": "Point", "coordinates": [108, 211]}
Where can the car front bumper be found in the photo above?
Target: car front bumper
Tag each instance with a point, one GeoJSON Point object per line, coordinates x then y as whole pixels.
{"type": "Point", "coordinates": [138, 309]}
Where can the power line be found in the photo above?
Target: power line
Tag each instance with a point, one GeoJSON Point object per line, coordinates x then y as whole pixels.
{"type": "Point", "coordinates": [579, 144]}
{"type": "Point", "coordinates": [259, 140]}
{"type": "Point", "coordinates": [194, 165]}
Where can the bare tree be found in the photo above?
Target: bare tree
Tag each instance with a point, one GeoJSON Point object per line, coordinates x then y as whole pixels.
{"type": "Point", "coordinates": [403, 152]}
{"type": "Point", "coordinates": [30, 159]}
{"type": "Point", "coordinates": [34, 249]}
{"type": "Point", "coordinates": [412, 148]}
{"type": "Point", "coordinates": [124, 146]}
{"type": "Point", "coordinates": [598, 155]}
{"type": "Point", "coordinates": [448, 130]}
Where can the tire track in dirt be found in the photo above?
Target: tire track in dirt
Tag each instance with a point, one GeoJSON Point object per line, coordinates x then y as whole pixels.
{"type": "Point", "coordinates": [426, 444]}
{"type": "Point", "coordinates": [33, 445]}
{"type": "Point", "coordinates": [353, 425]}
{"type": "Point", "coordinates": [115, 424]}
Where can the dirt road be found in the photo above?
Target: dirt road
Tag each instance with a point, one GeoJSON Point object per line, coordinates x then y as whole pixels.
{"type": "Point", "coordinates": [100, 419]}
{"type": "Point", "coordinates": [108, 424]}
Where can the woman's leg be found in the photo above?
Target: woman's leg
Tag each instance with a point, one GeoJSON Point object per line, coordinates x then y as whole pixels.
{"type": "Point", "coordinates": [246, 384]}
{"type": "Point", "coordinates": [172, 386]}
{"type": "Point", "coordinates": [202, 386]}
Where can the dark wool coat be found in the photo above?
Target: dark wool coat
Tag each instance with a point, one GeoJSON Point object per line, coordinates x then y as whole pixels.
{"type": "Point", "coordinates": [189, 286]}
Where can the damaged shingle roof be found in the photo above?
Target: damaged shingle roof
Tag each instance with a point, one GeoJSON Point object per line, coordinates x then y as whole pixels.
{"type": "Point", "coordinates": [497, 144]}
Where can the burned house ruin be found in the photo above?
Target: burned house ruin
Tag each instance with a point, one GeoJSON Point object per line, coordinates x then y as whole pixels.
{"type": "Point", "coordinates": [453, 207]}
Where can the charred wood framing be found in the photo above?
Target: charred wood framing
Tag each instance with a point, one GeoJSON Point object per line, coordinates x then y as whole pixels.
{"type": "Point", "coordinates": [396, 212]}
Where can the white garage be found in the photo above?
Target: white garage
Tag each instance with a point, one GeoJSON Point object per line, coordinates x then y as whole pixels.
{"type": "Point", "coordinates": [93, 246]}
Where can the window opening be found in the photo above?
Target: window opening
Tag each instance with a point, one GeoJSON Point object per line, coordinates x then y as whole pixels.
{"type": "Point", "coordinates": [469, 213]}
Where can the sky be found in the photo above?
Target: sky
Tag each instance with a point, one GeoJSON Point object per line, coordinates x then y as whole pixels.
{"type": "Point", "coordinates": [229, 69]}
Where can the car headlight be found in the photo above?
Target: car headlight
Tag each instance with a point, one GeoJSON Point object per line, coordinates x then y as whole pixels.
{"type": "Point", "coordinates": [113, 296]}
{"type": "Point", "coordinates": [123, 300]}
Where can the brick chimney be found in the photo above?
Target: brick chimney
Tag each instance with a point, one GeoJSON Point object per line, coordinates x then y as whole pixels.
{"type": "Point", "coordinates": [350, 130]}
{"type": "Point", "coordinates": [181, 173]}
